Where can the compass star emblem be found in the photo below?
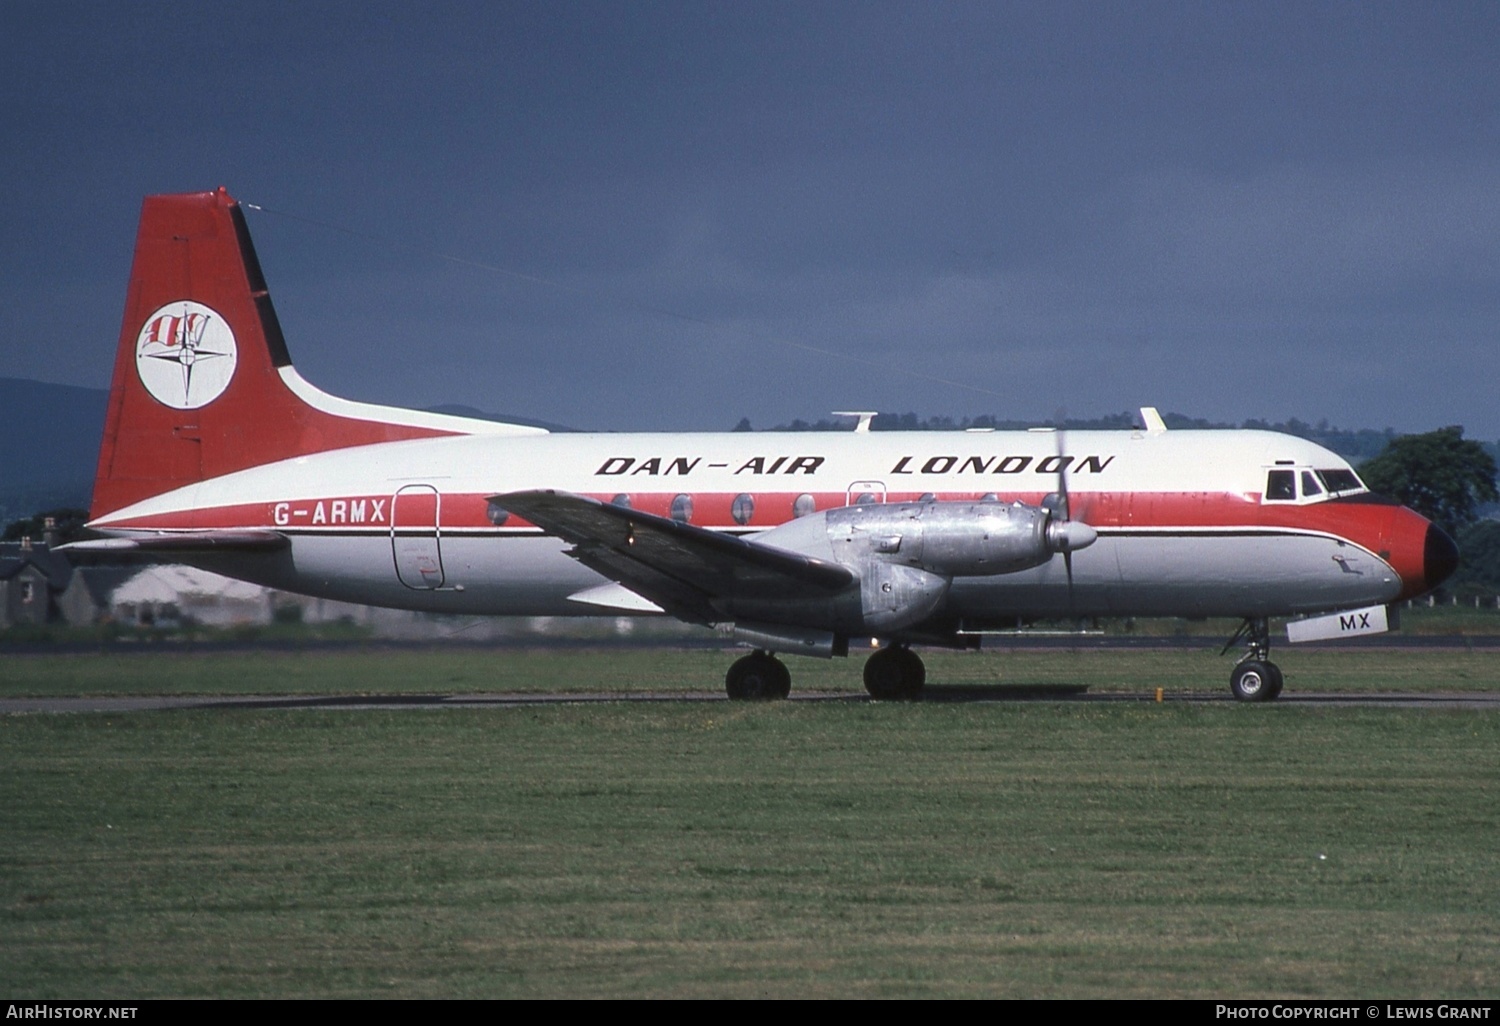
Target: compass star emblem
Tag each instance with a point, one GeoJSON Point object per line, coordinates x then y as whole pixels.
{"type": "Point", "coordinates": [186, 355]}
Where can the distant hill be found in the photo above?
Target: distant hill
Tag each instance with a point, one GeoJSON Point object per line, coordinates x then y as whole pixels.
{"type": "Point", "coordinates": [454, 410]}
{"type": "Point", "coordinates": [49, 443]}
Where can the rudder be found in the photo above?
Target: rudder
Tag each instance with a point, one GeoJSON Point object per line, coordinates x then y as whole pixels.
{"type": "Point", "coordinates": [203, 384]}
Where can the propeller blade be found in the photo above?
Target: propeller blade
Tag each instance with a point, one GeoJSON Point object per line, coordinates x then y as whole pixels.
{"type": "Point", "coordinates": [1067, 533]}
{"type": "Point", "coordinates": [1062, 468]}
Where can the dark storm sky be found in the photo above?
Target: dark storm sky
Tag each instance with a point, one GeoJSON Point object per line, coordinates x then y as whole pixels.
{"type": "Point", "coordinates": [773, 210]}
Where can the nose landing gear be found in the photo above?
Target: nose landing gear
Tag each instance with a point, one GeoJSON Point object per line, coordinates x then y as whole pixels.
{"type": "Point", "coordinates": [1254, 678]}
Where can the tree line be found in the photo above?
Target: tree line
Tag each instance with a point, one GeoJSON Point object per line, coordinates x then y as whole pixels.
{"type": "Point", "coordinates": [1448, 479]}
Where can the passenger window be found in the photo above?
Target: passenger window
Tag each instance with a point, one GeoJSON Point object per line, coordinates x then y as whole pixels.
{"type": "Point", "coordinates": [804, 505]}
{"type": "Point", "coordinates": [742, 509]}
{"type": "Point", "coordinates": [1281, 486]}
{"type": "Point", "coordinates": [1310, 485]}
{"type": "Point", "coordinates": [682, 508]}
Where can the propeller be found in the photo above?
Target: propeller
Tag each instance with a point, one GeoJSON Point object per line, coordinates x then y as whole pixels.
{"type": "Point", "coordinates": [1063, 533]}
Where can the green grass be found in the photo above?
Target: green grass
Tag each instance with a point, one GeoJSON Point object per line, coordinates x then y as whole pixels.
{"type": "Point", "coordinates": [1461, 618]}
{"type": "Point", "coordinates": [1027, 850]}
{"type": "Point", "coordinates": [1012, 849]}
{"type": "Point", "coordinates": [1448, 619]}
{"type": "Point", "coordinates": [701, 671]}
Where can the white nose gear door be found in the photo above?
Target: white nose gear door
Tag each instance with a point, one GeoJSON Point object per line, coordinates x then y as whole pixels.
{"type": "Point", "coordinates": [416, 541]}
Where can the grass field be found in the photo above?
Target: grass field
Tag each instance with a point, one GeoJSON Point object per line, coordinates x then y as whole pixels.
{"type": "Point", "coordinates": [1447, 620]}
{"type": "Point", "coordinates": [451, 670]}
{"type": "Point", "coordinates": [829, 849]}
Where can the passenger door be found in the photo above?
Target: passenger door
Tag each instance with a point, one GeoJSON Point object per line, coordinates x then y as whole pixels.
{"type": "Point", "coordinates": [416, 539]}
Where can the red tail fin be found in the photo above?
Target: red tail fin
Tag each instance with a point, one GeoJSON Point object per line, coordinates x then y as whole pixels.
{"type": "Point", "coordinates": [203, 384]}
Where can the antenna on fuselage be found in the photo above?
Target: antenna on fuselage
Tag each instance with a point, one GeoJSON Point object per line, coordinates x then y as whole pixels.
{"type": "Point", "coordinates": [862, 427]}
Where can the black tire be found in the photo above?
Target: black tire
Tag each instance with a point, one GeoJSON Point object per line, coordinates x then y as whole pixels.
{"type": "Point", "coordinates": [895, 675]}
{"type": "Point", "coordinates": [1255, 681]}
{"type": "Point", "coordinates": [782, 684]}
{"type": "Point", "coordinates": [758, 677]}
{"type": "Point", "coordinates": [1277, 681]}
{"type": "Point", "coordinates": [916, 671]}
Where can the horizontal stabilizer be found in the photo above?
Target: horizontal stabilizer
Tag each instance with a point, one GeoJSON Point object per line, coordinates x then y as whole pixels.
{"type": "Point", "coordinates": [185, 542]}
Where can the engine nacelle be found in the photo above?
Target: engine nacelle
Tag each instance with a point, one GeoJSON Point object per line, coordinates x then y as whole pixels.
{"type": "Point", "coordinates": [907, 554]}
{"type": "Point", "coordinates": [954, 539]}
{"type": "Point", "coordinates": [893, 596]}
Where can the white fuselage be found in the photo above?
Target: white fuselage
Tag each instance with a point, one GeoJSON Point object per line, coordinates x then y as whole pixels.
{"type": "Point", "coordinates": [1184, 519]}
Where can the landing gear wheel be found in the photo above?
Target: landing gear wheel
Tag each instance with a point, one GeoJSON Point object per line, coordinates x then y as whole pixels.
{"type": "Point", "coordinates": [1255, 681]}
{"type": "Point", "coordinates": [915, 670]}
{"type": "Point", "coordinates": [1254, 678]}
{"type": "Point", "coordinates": [1276, 682]}
{"type": "Point", "coordinates": [759, 676]}
{"type": "Point", "coordinates": [895, 674]}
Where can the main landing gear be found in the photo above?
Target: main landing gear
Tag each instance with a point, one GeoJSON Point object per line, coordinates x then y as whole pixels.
{"type": "Point", "coordinates": [896, 674]}
{"type": "Point", "coordinates": [893, 674]}
{"type": "Point", "coordinates": [759, 676]}
{"type": "Point", "coordinates": [1254, 678]}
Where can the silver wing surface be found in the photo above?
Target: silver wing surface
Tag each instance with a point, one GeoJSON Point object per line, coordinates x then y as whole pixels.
{"type": "Point", "coordinates": [692, 573]}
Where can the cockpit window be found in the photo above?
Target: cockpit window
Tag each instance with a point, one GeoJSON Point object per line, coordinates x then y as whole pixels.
{"type": "Point", "coordinates": [1340, 481]}
{"type": "Point", "coordinates": [1281, 486]}
{"type": "Point", "coordinates": [1316, 485]}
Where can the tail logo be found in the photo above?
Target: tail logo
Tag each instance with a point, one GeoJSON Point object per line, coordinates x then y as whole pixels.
{"type": "Point", "coordinates": [185, 355]}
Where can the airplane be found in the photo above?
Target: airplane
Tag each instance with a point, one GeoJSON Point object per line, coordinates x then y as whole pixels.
{"type": "Point", "coordinates": [217, 453]}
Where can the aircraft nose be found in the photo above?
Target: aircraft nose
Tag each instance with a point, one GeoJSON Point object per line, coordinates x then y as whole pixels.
{"type": "Point", "coordinates": [1421, 553]}
{"type": "Point", "coordinates": [1439, 556]}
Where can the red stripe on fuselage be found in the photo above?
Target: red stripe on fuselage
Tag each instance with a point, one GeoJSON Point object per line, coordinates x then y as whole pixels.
{"type": "Point", "coordinates": [1395, 534]}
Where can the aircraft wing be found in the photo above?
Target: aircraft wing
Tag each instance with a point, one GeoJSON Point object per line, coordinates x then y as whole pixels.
{"type": "Point", "coordinates": [680, 567]}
